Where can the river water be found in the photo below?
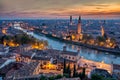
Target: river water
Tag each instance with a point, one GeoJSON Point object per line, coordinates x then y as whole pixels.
{"type": "Point", "coordinates": [84, 52]}
{"type": "Point", "coordinates": [89, 54]}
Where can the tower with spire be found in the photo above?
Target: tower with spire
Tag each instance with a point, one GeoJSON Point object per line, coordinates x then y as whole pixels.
{"type": "Point", "coordinates": [79, 29]}
{"type": "Point", "coordinates": [79, 34]}
{"type": "Point", "coordinates": [70, 20]}
{"type": "Point", "coordinates": [102, 31]}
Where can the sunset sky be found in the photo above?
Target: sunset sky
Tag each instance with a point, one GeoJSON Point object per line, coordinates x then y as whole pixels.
{"type": "Point", "coordinates": [59, 8]}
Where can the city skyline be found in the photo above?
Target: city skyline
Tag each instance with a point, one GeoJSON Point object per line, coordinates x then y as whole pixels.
{"type": "Point", "coordinates": [60, 9]}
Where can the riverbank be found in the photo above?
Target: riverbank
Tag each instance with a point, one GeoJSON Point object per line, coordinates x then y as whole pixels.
{"type": "Point", "coordinates": [104, 49]}
{"type": "Point", "coordinates": [87, 53]}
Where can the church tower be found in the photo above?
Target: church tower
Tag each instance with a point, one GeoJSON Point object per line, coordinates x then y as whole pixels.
{"type": "Point", "coordinates": [79, 34]}
{"type": "Point", "coordinates": [102, 31]}
{"type": "Point", "coordinates": [71, 20]}
{"type": "Point", "coordinates": [79, 29]}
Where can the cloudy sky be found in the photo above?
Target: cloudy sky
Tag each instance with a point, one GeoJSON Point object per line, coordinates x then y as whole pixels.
{"type": "Point", "coordinates": [59, 8]}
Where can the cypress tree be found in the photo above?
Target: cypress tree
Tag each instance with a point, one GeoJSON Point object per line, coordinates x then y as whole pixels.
{"type": "Point", "coordinates": [74, 71]}
{"type": "Point", "coordinates": [68, 70]}
{"type": "Point", "coordinates": [83, 73]}
{"type": "Point", "coordinates": [64, 67]}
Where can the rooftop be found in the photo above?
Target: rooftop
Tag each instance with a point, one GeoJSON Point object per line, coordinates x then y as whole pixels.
{"type": "Point", "coordinates": [54, 51]}
{"type": "Point", "coordinates": [69, 53]}
{"type": "Point", "coordinates": [116, 67]}
{"type": "Point", "coordinates": [26, 70]}
{"type": "Point", "coordinates": [69, 79]}
{"type": "Point", "coordinates": [2, 61]}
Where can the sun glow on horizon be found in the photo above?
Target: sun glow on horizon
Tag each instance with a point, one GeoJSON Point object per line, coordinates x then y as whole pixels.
{"type": "Point", "coordinates": [53, 8]}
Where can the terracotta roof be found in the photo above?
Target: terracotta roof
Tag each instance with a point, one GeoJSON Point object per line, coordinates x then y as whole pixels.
{"type": "Point", "coordinates": [54, 51]}
{"type": "Point", "coordinates": [25, 70]}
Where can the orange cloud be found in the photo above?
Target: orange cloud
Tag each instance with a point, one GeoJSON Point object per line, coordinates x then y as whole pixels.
{"type": "Point", "coordinates": [51, 8]}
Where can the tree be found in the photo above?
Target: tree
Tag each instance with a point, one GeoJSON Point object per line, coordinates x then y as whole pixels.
{"type": "Point", "coordinates": [83, 72]}
{"type": "Point", "coordinates": [66, 75]}
{"type": "Point", "coordinates": [82, 75]}
{"type": "Point", "coordinates": [58, 76]}
{"type": "Point", "coordinates": [74, 71]}
{"type": "Point", "coordinates": [86, 38]}
{"type": "Point", "coordinates": [25, 39]}
{"type": "Point", "coordinates": [43, 78]}
{"type": "Point", "coordinates": [51, 78]}
{"type": "Point", "coordinates": [96, 77]}
{"type": "Point", "coordinates": [64, 67]}
{"type": "Point", "coordinates": [100, 39]}
{"type": "Point", "coordinates": [100, 77]}
{"type": "Point", "coordinates": [68, 70]}
{"type": "Point", "coordinates": [2, 39]}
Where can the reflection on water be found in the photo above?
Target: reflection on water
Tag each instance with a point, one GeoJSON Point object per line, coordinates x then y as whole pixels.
{"type": "Point", "coordinates": [84, 52]}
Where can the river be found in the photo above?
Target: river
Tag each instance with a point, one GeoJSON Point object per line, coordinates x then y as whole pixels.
{"type": "Point", "coordinates": [84, 52]}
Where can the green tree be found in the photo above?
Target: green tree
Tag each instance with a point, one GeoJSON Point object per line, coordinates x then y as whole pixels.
{"type": "Point", "coordinates": [2, 39]}
{"type": "Point", "coordinates": [100, 39]}
{"type": "Point", "coordinates": [51, 78]}
{"type": "Point", "coordinates": [66, 70]}
{"type": "Point", "coordinates": [6, 37]}
{"type": "Point", "coordinates": [69, 70]}
{"type": "Point", "coordinates": [43, 78]}
{"type": "Point", "coordinates": [64, 67]}
{"type": "Point", "coordinates": [66, 75]}
{"type": "Point", "coordinates": [83, 72]}
{"type": "Point", "coordinates": [80, 76]}
{"type": "Point", "coordinates": [86, 38]}
{"type": "Point", "coordinates": [74, 71]}
{"type": "Point", "coordinates": [109, 79]}
{"type": "Point", "coordinates": [58, 76]}
{"type": "Point", "coordinates": [96, 77]}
